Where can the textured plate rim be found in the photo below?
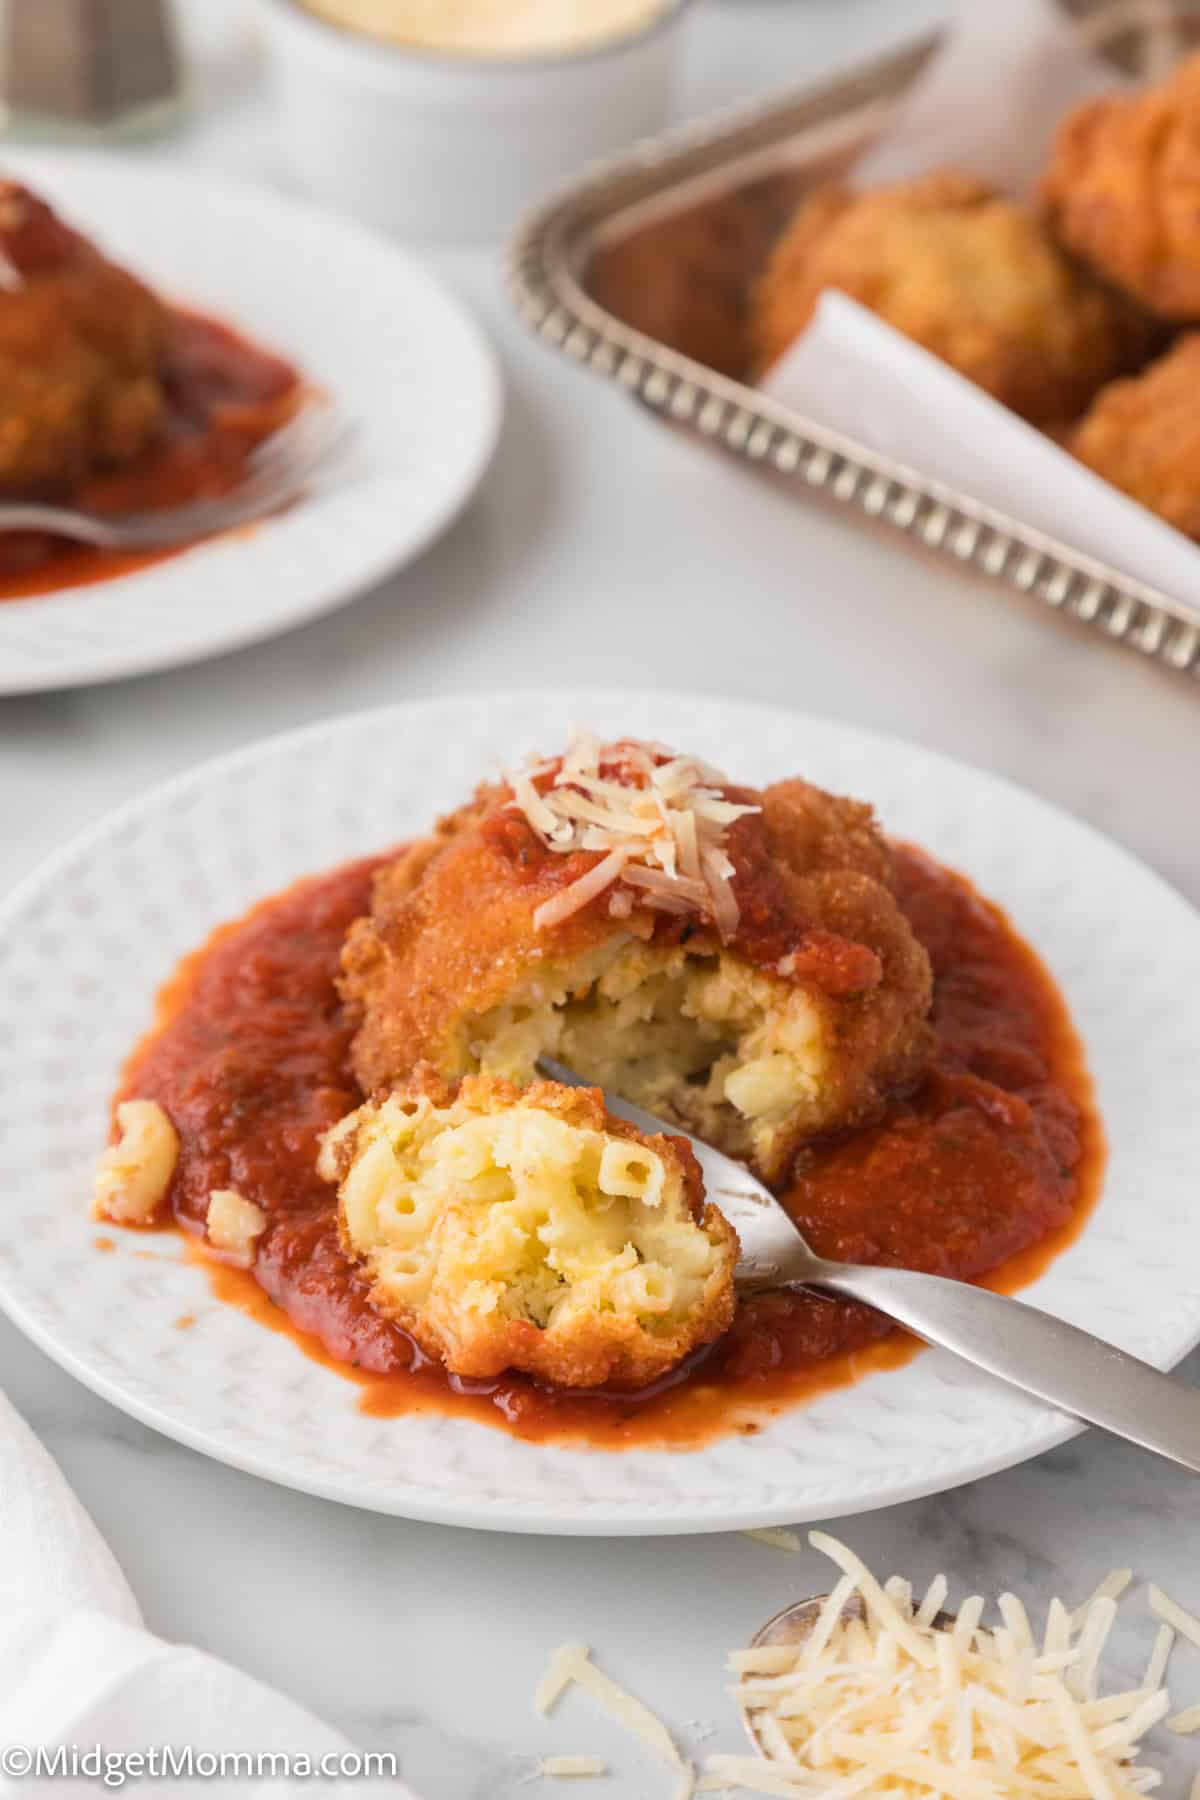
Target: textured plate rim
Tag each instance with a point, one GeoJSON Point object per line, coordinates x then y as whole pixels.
{"type": "Point", "coordinates": [369, 572]}
{"type": "Point", "coordinates": [1047, 1428]}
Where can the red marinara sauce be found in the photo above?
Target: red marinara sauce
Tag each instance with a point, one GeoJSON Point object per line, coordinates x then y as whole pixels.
{"type": "Point", "coordinates": [984, 1172]}
{"type": "Point", "coordinates": [224, 396]}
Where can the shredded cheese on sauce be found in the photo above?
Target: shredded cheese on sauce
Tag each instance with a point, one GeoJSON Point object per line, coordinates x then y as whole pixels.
{"type": "Point", "coordinates": [659, 828]}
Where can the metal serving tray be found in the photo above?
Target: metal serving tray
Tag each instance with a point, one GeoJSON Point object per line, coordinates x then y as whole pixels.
{"type": "Point", "coordinates": [641, 272]}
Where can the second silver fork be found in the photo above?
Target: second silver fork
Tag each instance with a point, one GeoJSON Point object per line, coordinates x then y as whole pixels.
{"type": "Point", "coordinates": [277, 470]}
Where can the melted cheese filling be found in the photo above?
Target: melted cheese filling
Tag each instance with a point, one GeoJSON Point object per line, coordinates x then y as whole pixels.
{"type": "Point", "coordinates": [520, 1215]}
{"type": "Point", "coordinates": [705, 1042]}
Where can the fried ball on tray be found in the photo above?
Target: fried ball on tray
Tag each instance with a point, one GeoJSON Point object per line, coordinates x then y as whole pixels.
{"type": "Point", "coordinates": [966, 273]}
{"type": "Point", "coordinates": [81, 347]}
{"type": "Point", "coordinates": [531, 1230]}
{"type": "Point", "coordinates": [1143, 435]}
{"type": "Point", "coordinates": [733, 961]}
{"type": "Point", "coordinates": [1122, 191]}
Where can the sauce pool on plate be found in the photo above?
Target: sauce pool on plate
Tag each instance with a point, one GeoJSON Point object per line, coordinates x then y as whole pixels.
{"type": "Point", "coordinates": [983, 1172]}
{"type": "Point", "coordinates": [224, 396]}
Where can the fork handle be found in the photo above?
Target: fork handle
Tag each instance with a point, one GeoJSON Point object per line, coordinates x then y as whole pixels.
{"type": "Point", "coordinates": [1057, 1362]}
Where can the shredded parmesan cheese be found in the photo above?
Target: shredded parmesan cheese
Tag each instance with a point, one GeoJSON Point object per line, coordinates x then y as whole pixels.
{"type": "Point", "coordinates": [1185, 1722]}
{"type": "Point", "coordinates": [1164, 1608]}
{"type": "Point", "coordinates": [1111, 1588]}
{"type": "Point", "coordinates": [657, 821]}
{"type": "Point", "coordinates": [560, 1673]}
{"type": "Point", "coordinates": [1160, 1656]}
{"type": "Point", "coordinates": [877, 1700]}
{"type": "Point", "coordinates": [573, 1663]}
{"type": "Point", "coordinates": [775, 1537]}
{"type": "Point", "coordinates": [558, 1768]}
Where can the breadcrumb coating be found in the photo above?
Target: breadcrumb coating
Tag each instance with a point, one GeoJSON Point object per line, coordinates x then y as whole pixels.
{"type": "Point", "coordinates": [1143, 435]}
{"type": "Point", "coordinates": [81, 346]}
{"type": "Point", "coordinates": [968, 274]}
{"type": "Point", "coordinates": [1122, 191]}
{"type": "Point", "coordinates": [802, 1024]}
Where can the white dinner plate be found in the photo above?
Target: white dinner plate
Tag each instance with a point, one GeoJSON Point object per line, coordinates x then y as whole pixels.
{"type": "Point", "coordinates": [85, 942]}
{"type": "Point", "coordinates": [397, 352]}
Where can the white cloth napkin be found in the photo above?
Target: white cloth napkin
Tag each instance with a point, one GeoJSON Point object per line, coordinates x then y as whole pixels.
{"type": "Point", "coordinates": [78, 1669]}
{"type": "Point", "coordinates": [989, 103]}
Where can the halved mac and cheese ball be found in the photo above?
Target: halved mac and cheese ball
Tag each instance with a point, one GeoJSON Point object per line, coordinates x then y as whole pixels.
{"type": "Point", "coordinates": [507, 1229]}
{"type": "Point", "coordinates": [135, 1173]}
{"type": "Point", "coordinates": [732, 960]}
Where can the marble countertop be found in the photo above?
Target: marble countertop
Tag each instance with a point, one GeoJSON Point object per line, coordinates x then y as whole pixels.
{"type": "Point", "coordinates": [592, 556]}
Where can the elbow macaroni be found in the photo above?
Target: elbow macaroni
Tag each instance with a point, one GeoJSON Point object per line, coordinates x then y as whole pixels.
{"type": "Point", "coordinates": [505, 1230]}
{"type": "Point", "coordinates": [134, 1173]}
{"type": "Point", "coordinates": [234, 1225]}
{"type": "Point", "coordinates": [743, 1058]}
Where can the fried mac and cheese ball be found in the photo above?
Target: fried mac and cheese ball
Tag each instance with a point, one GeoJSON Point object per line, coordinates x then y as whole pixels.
{"type": "Point", "coordinates": [1143, 435]}
{"type": "Point", "coordinates": [1122, 191]}
{"type": "Point", "coordinates": [964, 272]}
{"type": "Point", "coordinates": [733, 961]}
{"type": "Point", "coordinates": [531, 1230]}
{"type": "Point", "coordinates": [81, 346]}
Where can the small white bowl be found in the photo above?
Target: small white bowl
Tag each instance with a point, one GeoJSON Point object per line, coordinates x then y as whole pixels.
{"type": "Point", "coordinates": [442, 147]}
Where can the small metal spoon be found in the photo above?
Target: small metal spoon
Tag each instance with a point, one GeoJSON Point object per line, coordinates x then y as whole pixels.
{"type": "Point", "coordinates": [1056, 1362]}
{"type": "Point", "coordinates": [792, 1626]}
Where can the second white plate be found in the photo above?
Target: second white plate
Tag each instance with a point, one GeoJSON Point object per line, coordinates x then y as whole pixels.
{"type": "Point", "coordinates": [395, 350]}
{"type": "Point", "coordinates": [86, 941]}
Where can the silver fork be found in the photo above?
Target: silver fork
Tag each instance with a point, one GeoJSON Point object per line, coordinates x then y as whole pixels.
{"type": "Point", "coordinates": [276, 471]}
{"type": "Point", "coordinates": [1058, 1363]}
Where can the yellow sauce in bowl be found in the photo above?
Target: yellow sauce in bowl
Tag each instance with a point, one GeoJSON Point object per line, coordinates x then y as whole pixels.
{"type": "Point", "coordinates": [498, 28]}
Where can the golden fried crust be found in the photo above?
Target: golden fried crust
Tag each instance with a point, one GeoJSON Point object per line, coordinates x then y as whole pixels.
{"type": "Point", "coordinates": [811, 830]}
{"type": "Point", "coordinates": [451, 931]}
{"type": "Point", "coordinates": [604, 1349]}
{"type": "Point", "coordinates": [966, 273]}
{"type": "Point", "coordinates": [1143, 435]}
{"type": "Point", "coordinates": [451, 935]}
{"type": "Point", "coordinates": [81, 345]}
{"type": "Point", "coordinates": [1122, 191]}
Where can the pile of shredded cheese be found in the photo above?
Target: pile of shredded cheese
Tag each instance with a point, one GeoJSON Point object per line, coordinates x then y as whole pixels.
{"type": "Point", "coordinates": [657, 821]}
{"type": "Point", "coordinates": [878, 1700]}
{"type": "Point", "coordinates": [885, 1698]}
